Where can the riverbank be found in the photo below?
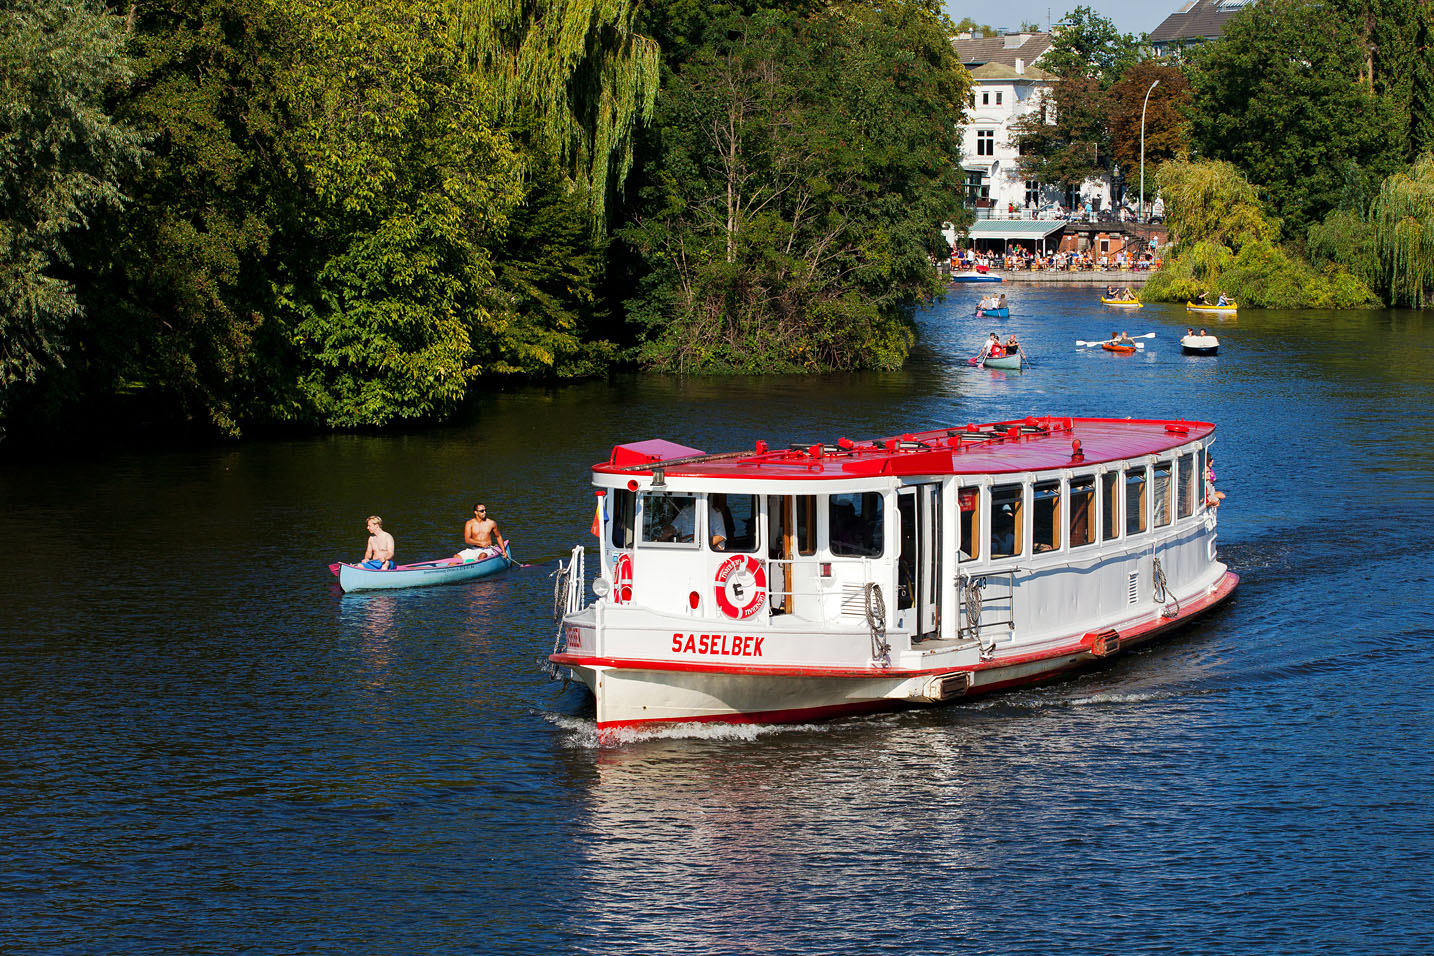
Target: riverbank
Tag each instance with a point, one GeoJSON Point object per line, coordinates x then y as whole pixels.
{"type": "Point", "coordinates": [1098, 277]}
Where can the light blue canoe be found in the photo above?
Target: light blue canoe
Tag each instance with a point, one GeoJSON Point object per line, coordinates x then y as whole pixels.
{"type": "Point", "coordinates": [1004, 312]}
{"type": "Point", "coordinates": [1005, 361]}
{"type": "Point", "coordinates": [352, 577]}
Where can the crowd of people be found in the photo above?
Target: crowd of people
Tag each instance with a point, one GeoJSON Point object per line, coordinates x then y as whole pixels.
{"type": "Point", "coordinates": [1019, 259]}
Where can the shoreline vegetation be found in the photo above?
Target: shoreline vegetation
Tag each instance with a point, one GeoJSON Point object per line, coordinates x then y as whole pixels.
{"type": "Point", "coordinates": [235, 217]}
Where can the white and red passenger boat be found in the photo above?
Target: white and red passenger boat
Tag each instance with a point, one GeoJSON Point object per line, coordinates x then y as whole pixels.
{"type": "Point", "coordinates": [778, 585]}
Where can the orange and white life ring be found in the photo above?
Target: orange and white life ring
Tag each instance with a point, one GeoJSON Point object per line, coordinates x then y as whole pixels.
{"type": "Point", "coordinates": [741, 586]}
{"type": "Point", "coordinates": [622, 580]}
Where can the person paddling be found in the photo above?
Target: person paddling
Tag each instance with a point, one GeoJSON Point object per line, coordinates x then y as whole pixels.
{"type": "Point", "coordinates": [478, 534]}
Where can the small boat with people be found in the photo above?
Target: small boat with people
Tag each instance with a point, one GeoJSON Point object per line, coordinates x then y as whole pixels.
{"type": "Point", "coordinates": [356, 577]}
{"type": "Point", "coordinates": [1007, 355]}
{"type": "Point", "coordinates": [975, 277]}
{"type": "Point", "coordinates": [993, 306]}
{"type": "Point", "coordinates": [1224, 305]}
{"type": "Point", "coordinates": [1202, 344]}
{"type": "Point", "coordinates": [786, 584]}
{"type": "Point", "coordinates": [1121, 298]}
{"type": "Point", "coordinates": [1122, 343]}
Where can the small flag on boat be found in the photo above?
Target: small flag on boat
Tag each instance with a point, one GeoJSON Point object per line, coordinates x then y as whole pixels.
{"type": "Point", "coordinates": [597, 520]}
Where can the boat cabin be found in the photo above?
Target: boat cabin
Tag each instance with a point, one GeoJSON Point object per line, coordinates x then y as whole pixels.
{"type": "Point", "coordinates": [996, 533]}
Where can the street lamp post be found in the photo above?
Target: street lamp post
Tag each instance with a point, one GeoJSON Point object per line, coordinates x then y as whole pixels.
{"type": "Point", "coordinates": [1142, 146]}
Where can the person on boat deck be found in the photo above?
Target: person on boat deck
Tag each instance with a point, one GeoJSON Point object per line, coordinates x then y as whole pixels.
{"type": "Point", "coordinates": [1110, 292]}
{"type": "Point", "coordinates": [1224, 299]}
{"type": "Point", "coordinates": [1203, 333]}
{"type": "Point", "coordinates": [994, 348]}
{"type": "Point", "coordinates": [1213, 497]}
{"type": "Point", "coordinates": [1189, 331]}
{"type": "Point", "coordinates": [478, 534]}
{"type": "Point", "coordinates": [1001, 302]}
{"type": "Point", "coordinates": [1126, 295]}
{"type": "Point", "coordinates": [1124, 339]}
{"type": "Point", "coordinates": [379, 554]}
{"type": "Point", "coordinates": [717, 522]}
{"type": "Point", "coordinates": [1012, 346]}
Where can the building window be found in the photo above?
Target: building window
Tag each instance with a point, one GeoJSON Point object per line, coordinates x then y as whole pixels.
{"type": "Point", "coordinates": [985, 142]}
{"type": "Point", "coordinates": [998, 98]}
{"type": "Point", "coordinates": [985, 99]}
{"type": "Point", "coordinates": [1033, 193]}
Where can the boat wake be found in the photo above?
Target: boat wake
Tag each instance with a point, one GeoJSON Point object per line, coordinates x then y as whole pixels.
{"type": "Point", "coordinates": [582, 732]}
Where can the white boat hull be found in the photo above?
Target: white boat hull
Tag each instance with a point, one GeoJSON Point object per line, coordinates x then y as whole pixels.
{"type": "Point", "coordinates": [636, 693]}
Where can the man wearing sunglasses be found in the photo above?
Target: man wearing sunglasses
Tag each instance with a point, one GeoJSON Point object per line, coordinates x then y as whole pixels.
{"type": "Point", "coordinates": [478, 535]}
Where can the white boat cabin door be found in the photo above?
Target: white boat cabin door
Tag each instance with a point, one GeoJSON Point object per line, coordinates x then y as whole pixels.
{"type": "Point", "coordinates": [918, 568]}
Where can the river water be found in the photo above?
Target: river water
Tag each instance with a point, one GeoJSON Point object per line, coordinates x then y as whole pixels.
{"type": "Point", "coordinates": [207, 749]}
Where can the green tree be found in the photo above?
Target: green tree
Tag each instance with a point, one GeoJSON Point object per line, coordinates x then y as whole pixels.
{"type": "Point", "coordinates": [183, 285]}
{"type": "Point", "coordinates": [1086, 45]}
{"type": "Point", "coordinates": [62, 156]}
{"type": "Point", "coordinates": [1227, 242]}
{"type": "Point", "coordinates": [801, 164]}
{"type": "Point", "coordinates": [580, 67]}
{"type": "Point", "coordinates": [1066, 138]}
{"type": "Point", "coordinates": [409, 178]}
{"type": "Point", "coordinates": [1402, 217]}
{"type": "Point", "coordinates": [967, 25]}
{"type": "Point", "coordinates": [1282, 97]}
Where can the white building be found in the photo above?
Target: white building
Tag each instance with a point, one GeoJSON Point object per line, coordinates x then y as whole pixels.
{"type": "Point", "coordinates": [1006, 84]}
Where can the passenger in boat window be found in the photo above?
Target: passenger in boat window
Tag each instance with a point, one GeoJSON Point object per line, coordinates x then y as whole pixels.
{"type": "Point", "coordinates": [1006, 520]}
{"type": "Point", "coordinates": [1185, 486]}
{"type": "Point", "coordinates": [856, 526]}
{"type": "Point", "coordinates": [1082, 499]}
{"type": "Point", "coordinates": [1046, 517]}
{"type": "Point", "coordinates": [623, 518]}
{"type": "Point", "coordinates": [1203, 497]}
{"type": "Point", "coordinates": [732, 522]}
{"type": "Point", "coordinates": [668, 518]}
{"type": "Point", "coordinates": [1212, 497]}
{"type": "Point", "coordinates": [1135, 501]}
{"type": "Point", "coordinates": [1110, 504]}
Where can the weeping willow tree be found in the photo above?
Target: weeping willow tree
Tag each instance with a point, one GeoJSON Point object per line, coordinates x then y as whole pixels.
{"type": "Point", "coordinates": [576, 67]}
{"type": "Point", "coordinates": [1403, 217]}
{"type": "Point", "coordinates": [1227, 243]}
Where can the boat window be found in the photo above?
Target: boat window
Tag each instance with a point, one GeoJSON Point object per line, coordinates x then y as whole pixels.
{"type": "Point", "coordinates": [970, 524]}
{"type": "Point", "coordinates": [1135, 501]}
{"type": "Point", "coordinates": [622, 519]}
{"type": "Point", "coordinates": [732, 522]}
{"type": "Point", "coordinates": [1185, 485]}
{"type": "Point", "coordinates": [855, 524]}
{"type": "Point", "coordinates": [1203, 495]}
{"type": "Point", "coordinates": [1110, 505]}
{"type": "Point", "coordinates": [906, 556]}
{"type": "Point", "coordinates": [669, 518]}
{"type": "Point", "coordinates": [780, 519]}
{"type": "Point", "coordinates": [1046, 516]}
{"type": "Point", "coordinates": [1082, 505]}
{"type": "Point", "coordinates": [1160, 492]}
{"type": "Point", "coordinates": [1006, 520]}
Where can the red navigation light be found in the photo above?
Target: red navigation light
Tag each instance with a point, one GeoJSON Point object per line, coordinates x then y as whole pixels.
{"type": "Point", "coordinates": [632, 484]}
{"type": "Point", "coordinates": [694, 599]}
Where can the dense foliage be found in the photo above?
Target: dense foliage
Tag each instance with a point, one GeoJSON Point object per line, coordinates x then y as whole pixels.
{"type": "Point", "coordinates": [1228, 243]}
{"type": "Point", "coordinates": [62, 159]}
{"type": "Point", "coordinates": [1296, 93]}
{"type": "Point", "coordinates": [344, 213]}
{"type": "Point", "coordinates": [800, 168]}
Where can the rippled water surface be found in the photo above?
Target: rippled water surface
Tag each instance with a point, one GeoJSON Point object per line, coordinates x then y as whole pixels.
{"type": "Point", "coordinates": [208, 750]}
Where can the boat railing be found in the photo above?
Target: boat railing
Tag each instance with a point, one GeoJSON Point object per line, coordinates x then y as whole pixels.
{"type": "Point", "coordinates": [841, 579]}
{"type": "Point", "coordinates": [984, 611]}
{"type": "Point", "coordinates": [568, 583]}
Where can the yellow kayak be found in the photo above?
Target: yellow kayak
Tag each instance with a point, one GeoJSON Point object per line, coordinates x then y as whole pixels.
{"type": "Point", "coordinates": [1205, 307]}
{"type": "Point", "coordinates": [1123, 303]}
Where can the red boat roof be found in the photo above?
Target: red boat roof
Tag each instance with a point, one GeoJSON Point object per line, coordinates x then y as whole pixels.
{"type": "Point", "coordinates": [1028, 444]}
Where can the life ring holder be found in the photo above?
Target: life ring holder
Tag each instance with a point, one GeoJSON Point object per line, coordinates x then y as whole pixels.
{"type": "Point", "coordinates": [740, 586]}
{"type": "Point", "coordinates": [622, 579]}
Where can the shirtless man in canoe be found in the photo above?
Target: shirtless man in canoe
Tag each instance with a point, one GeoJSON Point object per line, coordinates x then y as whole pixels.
{"type": "Point", "coordinates": [478, 534]}
{"type": "Point", "coordinates": [379, 554]}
